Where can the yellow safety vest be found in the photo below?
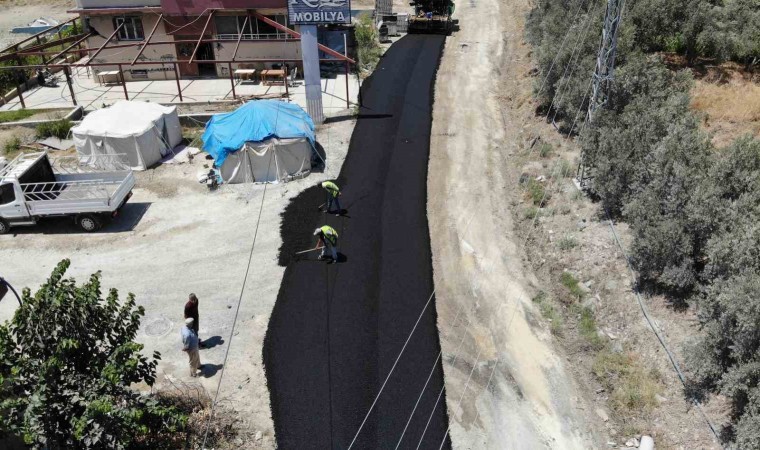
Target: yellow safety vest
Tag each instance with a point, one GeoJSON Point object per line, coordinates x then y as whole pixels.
{"type": "Point", "coordinates": [332, 188]}
{"type": "Point", "coordinates": [330, 234]}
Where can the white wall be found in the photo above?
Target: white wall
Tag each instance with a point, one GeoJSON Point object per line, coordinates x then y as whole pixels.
{"type": "Point", "coordinates": [104, 26]}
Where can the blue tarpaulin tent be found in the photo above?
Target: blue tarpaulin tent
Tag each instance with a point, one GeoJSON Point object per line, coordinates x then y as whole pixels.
{"type": "Point", "coordinates": [255, 121]}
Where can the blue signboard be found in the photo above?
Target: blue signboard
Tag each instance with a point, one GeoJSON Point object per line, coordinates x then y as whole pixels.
{"type": "Point", "coordinates": [316, 12]}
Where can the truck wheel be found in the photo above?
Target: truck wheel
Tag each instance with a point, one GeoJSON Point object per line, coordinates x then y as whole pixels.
{"type": "Point", "coordinates": [4, 227]}
{"type": "Point", "coordinates": [89, 223]}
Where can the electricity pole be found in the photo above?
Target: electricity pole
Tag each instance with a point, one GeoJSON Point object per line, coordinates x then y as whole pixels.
{"type": "Point", "coordinates": [605, 67]}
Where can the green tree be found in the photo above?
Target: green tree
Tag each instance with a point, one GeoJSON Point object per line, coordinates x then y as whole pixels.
{"type": "Point", "coordinates": [368, 45]}
{"type": "Point", "coordinates": [669, 230]}
{"type": "Point", "coordinates": [726, 358]}
{"type": "Point", "coordinates": [67, 361]}
{"type": "Point", "coordinates": [646, 99]}
{"type": "Point", "coordinates": [734, 198]}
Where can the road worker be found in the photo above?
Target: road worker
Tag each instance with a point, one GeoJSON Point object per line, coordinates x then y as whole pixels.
{"type": "Point", "coordinates": [327, 236]}
{"type": "Point", "coordinates": [333, 192]}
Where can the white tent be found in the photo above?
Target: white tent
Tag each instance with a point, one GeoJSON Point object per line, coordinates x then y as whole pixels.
{"type": "Point", "coordinates": [271, 160]}
{"type": "Point", "coordinates": [142, 132]}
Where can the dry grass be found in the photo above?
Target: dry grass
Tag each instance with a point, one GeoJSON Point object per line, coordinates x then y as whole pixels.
{"type": "Point", "coordinates": [732, 109]}
{"type": "Point", "coordinates": [633, 388]}
{"type": "Point", "coordinates": [194, 401]}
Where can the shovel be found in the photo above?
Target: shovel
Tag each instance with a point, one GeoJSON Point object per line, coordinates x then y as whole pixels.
{"type": "Point", "coordinates": [308, 251]}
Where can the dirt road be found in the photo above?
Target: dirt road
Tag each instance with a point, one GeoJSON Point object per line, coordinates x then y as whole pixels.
{"type": "Point", "coordinates": [506, 386]}
{"type": "Point", "coordinates": [336, 330]}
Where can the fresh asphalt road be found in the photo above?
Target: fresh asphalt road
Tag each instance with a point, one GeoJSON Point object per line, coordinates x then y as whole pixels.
{"type": "Point", "coordinates": [336, 330]}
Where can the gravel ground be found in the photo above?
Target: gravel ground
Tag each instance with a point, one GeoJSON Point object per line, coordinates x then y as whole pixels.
{"type": "Point", "coordinates": [507, 385]}
{"type": "Point", "coordinates": [174, 237]}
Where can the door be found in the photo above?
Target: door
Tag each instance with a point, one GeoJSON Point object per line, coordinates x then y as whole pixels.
{"type": "Point", "coordinates": [206, 53]}
{"type": "Point", "coordinates": [12, 206]}
{"type": "Point", "coordinates": [184, 51]}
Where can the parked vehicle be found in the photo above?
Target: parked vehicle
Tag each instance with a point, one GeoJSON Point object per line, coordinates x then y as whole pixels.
{"type": "Point", "coordinates": [30, 190]}
{"type": "Point", "coordinates": [432, 16]}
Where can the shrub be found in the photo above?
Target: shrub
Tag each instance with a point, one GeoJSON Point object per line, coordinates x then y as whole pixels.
{"type": "Point", "coordinates": [587, 328]}
{"type": "Point", "coordinates": [572, 285]}
{"type": "Point", "coordinates": [532, 212]}
{"type": "Point", "coordinates": [565, 168]}
{"type": "Point", "coordinates": [538, 193]}
{"type": "Point", "coordinates": [644, 103]}
{"type": "Point", "coordinates": [12, 145]}
{"type": "Point", "coordinates": [545, 150]}
{"type": "Point", "coordinates": [633, 389]}
{"type": "Point", "coordinates": [549, 312]}
{"type": "Point", "coordinates": [56, 128]}
{"type": "Point", "coordinates": [567, 243]}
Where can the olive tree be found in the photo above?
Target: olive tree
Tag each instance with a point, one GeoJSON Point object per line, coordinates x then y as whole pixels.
{"type": "Point", "coordinates": [68, 359]}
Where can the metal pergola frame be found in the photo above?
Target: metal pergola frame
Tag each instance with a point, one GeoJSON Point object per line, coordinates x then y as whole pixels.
{"type": "Point", "coordinates": [16, 53]}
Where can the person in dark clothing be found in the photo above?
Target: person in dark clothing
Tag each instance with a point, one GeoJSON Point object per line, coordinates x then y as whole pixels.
{"type": "Point", "coordinates": [191, 310]}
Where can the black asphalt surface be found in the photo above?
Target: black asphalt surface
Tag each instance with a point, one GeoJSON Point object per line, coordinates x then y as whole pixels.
{"type": "Point", "coordinates": [337, 329]}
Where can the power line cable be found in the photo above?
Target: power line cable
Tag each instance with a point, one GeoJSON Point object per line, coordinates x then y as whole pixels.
{"type": "Point", "coordinates": [431, 296]}
{"type": "Point", "coordinates": [398, 357]}
{"type": "Point", "coordinates": [237, 310]}
{"type": "Point", "coordinates": [440, 392]}
{"type": "Point", "coordinates": [510, 322]}
{"type": "Point", "coordinates": [660, 338]}
{"type": "Point", "coordinates": [424, 388]}
{"type": "Point", "coordinates": [474, 365]}
{"type": "Point", "coordinates": [561, 46]}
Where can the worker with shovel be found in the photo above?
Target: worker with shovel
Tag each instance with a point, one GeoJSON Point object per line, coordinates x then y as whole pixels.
{"type": "Point", "coordinates": [327, 236]}
{"type": "Point", "coordinates": [333, 192]}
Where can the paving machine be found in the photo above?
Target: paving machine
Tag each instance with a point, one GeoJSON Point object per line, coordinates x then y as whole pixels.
{"type": "Point", "coordinates": [432, 16]}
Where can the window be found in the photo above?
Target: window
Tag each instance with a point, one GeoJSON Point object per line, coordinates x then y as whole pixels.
{"type": "Point", "coordinates": [226, 25]}
{"type": "Point", "coordinates": [7, 193]}
{"type": "Point", "coordinates": [139, 73]}
{"type": "Point", "coordinates": [264, 28]}
{"type": "Point", "coordinates": [230, 27]}
{"type": "Point", "coordinates": [132, 29]}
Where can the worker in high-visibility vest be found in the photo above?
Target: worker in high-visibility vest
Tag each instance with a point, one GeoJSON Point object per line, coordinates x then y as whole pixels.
{"type": "Point", "coordinates": [327, 237]}
{"type": "Point", "coordinates": [333, 192]}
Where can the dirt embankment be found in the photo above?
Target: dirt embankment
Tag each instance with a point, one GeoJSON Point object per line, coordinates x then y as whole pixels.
{"type": "Point", "coordinates": [507, 387]}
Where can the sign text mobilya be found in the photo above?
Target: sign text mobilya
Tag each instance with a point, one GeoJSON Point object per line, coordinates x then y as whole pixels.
{"type": "Point", "coordinates": [312, 12]}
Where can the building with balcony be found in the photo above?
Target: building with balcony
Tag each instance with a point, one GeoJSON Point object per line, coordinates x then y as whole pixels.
{"type": "Point", "coordinates": [208, 38]}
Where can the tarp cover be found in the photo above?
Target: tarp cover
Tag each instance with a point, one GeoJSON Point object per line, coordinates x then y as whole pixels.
{"type": "Point", "coordinates": [141, 133]}
{"type": "Point", "coordinates": [270, 161]}
{"type": "Point", "coordinates": [255, 121]}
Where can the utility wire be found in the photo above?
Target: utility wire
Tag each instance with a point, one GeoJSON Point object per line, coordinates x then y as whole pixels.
{"type": "Point", "coordinates": [385, 382]}
{"type": "Point", "coordinates": [513, 315]}
{"type": "Point", "coordinates": [424, 388]}
{"type": "Point", "coordinates": [237, 310]}
{"type": "Point", "coordinates": [575, 52]}
{"type": "Point", "coordinates": [660, 338]}
{"type": "Point", "coordinates": [561, 46]}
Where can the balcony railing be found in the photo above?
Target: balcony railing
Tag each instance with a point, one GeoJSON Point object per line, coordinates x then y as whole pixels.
{"type": "Point", "coordinates": [255, 37]}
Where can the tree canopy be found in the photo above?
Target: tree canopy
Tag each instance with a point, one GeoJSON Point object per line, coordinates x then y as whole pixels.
{"type": "Point", "coordinates": [68, 359]}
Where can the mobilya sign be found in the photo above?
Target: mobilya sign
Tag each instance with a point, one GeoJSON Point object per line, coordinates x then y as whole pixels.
{"type": "Point", "coordinates": [313, 12]}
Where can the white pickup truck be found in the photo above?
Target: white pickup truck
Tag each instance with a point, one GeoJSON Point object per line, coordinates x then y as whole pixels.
{"type": "Point", "coordinates": [30, 189]}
